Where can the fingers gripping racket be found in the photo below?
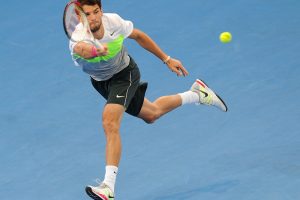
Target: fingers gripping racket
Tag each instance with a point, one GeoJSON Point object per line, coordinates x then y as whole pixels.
{"type": "Point", "coordinates": [76, 25]}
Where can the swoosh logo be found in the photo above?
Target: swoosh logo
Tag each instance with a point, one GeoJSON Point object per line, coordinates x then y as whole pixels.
{"type": "Point", "coordinates": [205, 93]}
{"type": "Point", "coordinates": [112, 33]}
{"type": "Point", "coordinates": [119, 96]}
{"type": "Point", "coordinates": [110, 197]}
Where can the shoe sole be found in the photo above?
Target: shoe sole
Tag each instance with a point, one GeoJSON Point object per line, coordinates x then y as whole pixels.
{"type": "Point", "coordinates": [226, 109]}
{"type": "Point", "coordinates": [90, 192]}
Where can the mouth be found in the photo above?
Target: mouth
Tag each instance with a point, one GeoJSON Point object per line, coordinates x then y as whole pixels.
{"type": "Point", "coordinates": [95, 26]}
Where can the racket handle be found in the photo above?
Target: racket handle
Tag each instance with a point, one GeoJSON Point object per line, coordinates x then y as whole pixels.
{"type": "Point", "coordinates": [99, 45]}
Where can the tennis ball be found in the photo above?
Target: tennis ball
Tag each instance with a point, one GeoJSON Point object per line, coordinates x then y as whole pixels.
{"type": "Point", "coordinates": [225, 37]}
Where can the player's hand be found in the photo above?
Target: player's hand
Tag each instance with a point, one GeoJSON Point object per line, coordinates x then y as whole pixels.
{"type": "Point", "coordinates": [176, 67]}
{"type": "Point", "coordinates": [102, 51]}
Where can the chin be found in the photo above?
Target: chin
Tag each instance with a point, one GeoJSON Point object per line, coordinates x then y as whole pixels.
{"type": "Point", "coordinates": [95, 28]}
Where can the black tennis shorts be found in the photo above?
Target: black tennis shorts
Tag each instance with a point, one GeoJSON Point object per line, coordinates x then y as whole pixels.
{"type": "Point", "coordinates": [124, 88]}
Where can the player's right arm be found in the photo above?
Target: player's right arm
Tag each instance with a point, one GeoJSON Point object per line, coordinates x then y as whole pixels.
{"type": "Point", "coordinates": [87, 51]}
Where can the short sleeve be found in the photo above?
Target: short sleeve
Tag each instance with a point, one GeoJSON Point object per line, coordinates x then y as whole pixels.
{"type": "Point", "coordinates": [126, 26]}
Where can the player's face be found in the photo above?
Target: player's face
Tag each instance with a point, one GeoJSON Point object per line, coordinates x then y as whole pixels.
{"type": "Point", "coordinates": [93, 14]}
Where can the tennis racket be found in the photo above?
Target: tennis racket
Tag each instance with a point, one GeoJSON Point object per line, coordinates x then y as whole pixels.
{"type": "Point", "coordinates": [76, 25]}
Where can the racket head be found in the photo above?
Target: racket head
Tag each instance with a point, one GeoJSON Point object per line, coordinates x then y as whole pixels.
{"type": "Point", "coordinates": [76, 25]}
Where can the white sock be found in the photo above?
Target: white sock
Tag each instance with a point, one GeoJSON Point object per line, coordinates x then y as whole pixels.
{"type": "Point", "coordinates": [189, 97]}
{"type": "Point", "coordinates": [110, 176]}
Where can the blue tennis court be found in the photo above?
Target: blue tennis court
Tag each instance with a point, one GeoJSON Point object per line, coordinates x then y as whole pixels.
{"type": "Point", "coordinates": [52, 143]}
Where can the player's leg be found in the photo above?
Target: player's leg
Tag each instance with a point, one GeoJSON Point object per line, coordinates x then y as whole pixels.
{"type": "Point", "coordinates": [119, 91]}
{"type": "Point", "coordinates": [111, 120]}
{"type": "Point", "coordinates": [199, 93]}
{"type": "Point", "coordinates": [151, 111]}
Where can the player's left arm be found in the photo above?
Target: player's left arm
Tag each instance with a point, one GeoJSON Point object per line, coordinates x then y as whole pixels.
{"type": "Point", "coordinates": [147, 43]}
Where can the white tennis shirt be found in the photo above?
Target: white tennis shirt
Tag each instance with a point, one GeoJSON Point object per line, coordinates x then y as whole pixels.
{"type": "Point", "coordinates": [102, 68]}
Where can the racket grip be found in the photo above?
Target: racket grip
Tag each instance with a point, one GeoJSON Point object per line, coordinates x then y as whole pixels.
{"type": "Point", "coordinates": [94, 51]}
{"type": "Point", "coordinates": [99, 45]}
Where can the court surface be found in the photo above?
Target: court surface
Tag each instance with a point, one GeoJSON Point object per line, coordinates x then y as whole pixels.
{"type": "Point", "coordinates": [52, 143]}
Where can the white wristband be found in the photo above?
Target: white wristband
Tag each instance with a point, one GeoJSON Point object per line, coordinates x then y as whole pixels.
{"type": "Point", "coordinates": [167, 59]}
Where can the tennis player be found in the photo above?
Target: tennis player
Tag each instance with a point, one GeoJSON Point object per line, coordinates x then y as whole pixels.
{"type": "Point", "coordinates": [115, 75]}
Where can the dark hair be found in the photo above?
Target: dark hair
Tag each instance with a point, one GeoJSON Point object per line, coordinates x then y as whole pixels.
{"type": "Point", "coordinates": [90, 2]}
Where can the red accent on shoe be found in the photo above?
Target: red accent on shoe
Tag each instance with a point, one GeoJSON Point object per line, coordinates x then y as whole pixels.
{"type": "Point", "coordinates": [200, 83]}
{"type": "Point", "coordinates": [102, 196]}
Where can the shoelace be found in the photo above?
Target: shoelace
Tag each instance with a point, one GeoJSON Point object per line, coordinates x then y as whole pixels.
{"type": "Point", "coordinates": [203, 99]}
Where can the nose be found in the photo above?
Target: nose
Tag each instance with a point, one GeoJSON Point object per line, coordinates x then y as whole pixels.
{"type": "Point", "coordinates": [92, 17]}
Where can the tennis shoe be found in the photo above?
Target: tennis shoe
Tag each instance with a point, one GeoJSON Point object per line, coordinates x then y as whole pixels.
{"type": "Point", "coordinates": [101, 192]}
{"type": "Point", "coordinates": [207, 96]}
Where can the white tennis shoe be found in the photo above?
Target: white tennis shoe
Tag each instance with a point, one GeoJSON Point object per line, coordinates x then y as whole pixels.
{"type": "Point", "coordinates": [101, 192]}
{"type": "Point", "coordinates": [207, 96]}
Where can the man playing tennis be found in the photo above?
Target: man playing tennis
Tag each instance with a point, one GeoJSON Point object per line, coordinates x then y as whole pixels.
{"type": "Point", "coordinates": [115, 75]}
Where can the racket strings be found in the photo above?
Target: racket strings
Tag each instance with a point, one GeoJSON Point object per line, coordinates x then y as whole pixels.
{"type": "Point", "coordinates": [76, 24]}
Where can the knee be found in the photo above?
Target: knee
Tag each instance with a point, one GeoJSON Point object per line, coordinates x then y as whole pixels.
{"type": "Point", "coordinates": [110, 127]}
{"type": "Point", "coordinates": [150, 119]}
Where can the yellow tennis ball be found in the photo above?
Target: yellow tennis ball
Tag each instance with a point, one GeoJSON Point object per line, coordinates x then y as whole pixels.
{"type": "Point", "coordinates": [225, 37]}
